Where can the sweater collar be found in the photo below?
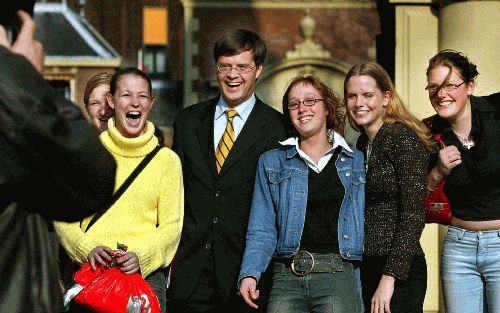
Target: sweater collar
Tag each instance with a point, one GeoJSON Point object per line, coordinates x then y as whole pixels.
{"type": "Point", "coordinates": [129, 147]}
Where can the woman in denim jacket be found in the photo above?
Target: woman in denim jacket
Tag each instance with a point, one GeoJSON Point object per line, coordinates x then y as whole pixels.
{"type": "Point", "coordinates": [307, 211]}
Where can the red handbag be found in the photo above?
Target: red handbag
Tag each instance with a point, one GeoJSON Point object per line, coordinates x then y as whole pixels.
{"type": "Point", "coordinates": [436, 204]}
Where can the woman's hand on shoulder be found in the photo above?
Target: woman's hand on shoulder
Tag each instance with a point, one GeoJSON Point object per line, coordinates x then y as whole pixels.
{"type": "Point", "coordinates": [100, 255]}
{"type": "Point", "coordinates": [129, 263]}
{"type": "Point", "coordinates": [381, 299]}
{"type": "Point", "coordinates": [249, 292]}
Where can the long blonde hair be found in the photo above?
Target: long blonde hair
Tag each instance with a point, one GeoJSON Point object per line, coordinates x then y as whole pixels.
{"type": "Point", "coordinates": [395, 110]}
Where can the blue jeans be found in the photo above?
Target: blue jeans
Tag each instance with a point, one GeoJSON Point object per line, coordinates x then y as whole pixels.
{"type": "Point", "coordinates": [470, 271]}
{"type": "Point", "coordinates": [329, 291]}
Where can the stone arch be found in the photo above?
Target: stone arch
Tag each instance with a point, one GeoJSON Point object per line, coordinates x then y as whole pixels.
{"type": "Point", "coordinates": [310, 58]}
{"type": "Point", "coordinates": [274, 80]}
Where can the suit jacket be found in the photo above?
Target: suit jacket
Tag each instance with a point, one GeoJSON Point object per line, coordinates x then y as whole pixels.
{"type": "Point", "coordinates": [52, 167]}
{"type": "Point", "coordinates": [217, 206]}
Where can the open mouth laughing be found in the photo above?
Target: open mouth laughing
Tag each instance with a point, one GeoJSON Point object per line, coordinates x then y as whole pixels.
{"type": "Point", "coordinates": [305, 118]}
{"type": "Point", "coordinates": [233, 85]}
{"type": "Point", "coordinates": [133, 118]}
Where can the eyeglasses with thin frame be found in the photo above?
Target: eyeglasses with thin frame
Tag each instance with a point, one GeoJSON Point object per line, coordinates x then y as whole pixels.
{"type": "Point", "coordinates": [307, 102]}
{"type": "Point", "coordinates": [240, 68]}
{"type": "Point", "coordinates": [447, 87]}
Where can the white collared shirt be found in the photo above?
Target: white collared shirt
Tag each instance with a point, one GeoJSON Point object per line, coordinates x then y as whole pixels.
{"type": "Point", "coordinates": [220, 118]}
{"type": "Point", "coordinates": [338, 140]}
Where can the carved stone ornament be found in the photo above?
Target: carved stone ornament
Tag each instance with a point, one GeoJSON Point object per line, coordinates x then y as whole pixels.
{"type": "Point", "coordinates": [308, 48]}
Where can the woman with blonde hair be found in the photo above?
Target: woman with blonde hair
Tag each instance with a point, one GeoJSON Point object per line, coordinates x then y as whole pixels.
{"type": "Point", "coordinates": [148, 216]}
{"type": "Point", "coordinates": [96, 103]}
{"type": "Point", "coordinates": [397, 147]}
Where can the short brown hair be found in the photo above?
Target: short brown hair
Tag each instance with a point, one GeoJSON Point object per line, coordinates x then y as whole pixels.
{"type": "Point", "coordinates": [93, 83]}
{"type": "Point", "coordinates": [238, 41]}
{"type": "Point", "coordinates": [334, 120]}
{"type": "Point", "coordinates": [454, 59]}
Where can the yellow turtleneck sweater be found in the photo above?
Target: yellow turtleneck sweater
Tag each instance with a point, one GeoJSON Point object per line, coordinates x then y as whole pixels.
{"type": "Point", "coordinates": [147, 217]}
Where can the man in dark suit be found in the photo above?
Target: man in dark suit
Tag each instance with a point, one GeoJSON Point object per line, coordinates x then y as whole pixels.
{"type": "Point", "coordinates": [219, 142]}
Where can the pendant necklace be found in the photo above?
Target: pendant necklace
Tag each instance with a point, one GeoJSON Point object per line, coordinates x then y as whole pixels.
{"type": "Point", "coordinates": [466, 142]}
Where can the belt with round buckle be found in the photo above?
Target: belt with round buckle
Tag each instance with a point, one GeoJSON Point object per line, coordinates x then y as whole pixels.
{"type": "Point", "coordinates": [309, 270]}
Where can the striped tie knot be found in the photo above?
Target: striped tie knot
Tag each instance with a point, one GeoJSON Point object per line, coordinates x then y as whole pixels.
{"type": "Point", "coordinates": [231, 114]}
{"type": "Point", "coordinates": [227, 140]}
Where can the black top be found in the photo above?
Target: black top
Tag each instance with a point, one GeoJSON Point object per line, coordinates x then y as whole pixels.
{"type": "Point", "coordinates": [473, 187]}
{"type": "Point", "coordinates": [325, 195]}
{"type": "Point", "coordinates": [395, 190]}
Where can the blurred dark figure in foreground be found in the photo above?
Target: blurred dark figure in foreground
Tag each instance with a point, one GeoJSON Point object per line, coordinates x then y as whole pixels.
{"type": "Point", "coordinates": [53, 167]}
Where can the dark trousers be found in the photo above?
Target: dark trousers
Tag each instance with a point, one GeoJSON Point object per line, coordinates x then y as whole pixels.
{"type": "Point", "coordinates": [158, 281]}
{"type": "Point", "coordinates": [206, 297]}
{"type": "Point", "coordinates": [408, 296]}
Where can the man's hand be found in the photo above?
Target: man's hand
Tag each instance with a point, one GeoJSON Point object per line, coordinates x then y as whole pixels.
{"type": "Point", "coordinates": [25, 44]}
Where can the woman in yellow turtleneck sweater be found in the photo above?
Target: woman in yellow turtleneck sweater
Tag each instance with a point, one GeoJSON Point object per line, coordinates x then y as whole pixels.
{"type": "Point", "coordinates": [148, 216]}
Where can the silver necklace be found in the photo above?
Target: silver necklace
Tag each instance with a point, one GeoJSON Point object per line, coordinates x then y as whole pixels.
{"type": "Point", "coordinates": [466, 142]}
{"type": "Point", "coordinates": [368, 153]}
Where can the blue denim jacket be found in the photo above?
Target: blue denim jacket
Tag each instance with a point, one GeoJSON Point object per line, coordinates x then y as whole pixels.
{"type": "Point", "coordinates": [279, 208]}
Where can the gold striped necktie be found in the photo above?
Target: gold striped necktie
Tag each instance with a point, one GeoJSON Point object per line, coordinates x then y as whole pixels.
{"type": "Point", "coordinates": [227, 140]}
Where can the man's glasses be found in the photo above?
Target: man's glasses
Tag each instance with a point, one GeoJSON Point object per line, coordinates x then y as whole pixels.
{"type": "Point", "coordinates": [307, 102]}
{"type": "Point", "coordinates": [447, 87]}
{"type": "Point", "coordinates": [240, 68]}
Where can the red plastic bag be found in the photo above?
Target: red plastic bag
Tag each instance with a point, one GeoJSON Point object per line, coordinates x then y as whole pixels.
{"type": "Point", "coordinates": [109, 290]}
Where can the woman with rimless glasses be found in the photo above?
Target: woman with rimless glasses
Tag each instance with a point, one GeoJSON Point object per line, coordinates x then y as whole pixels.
{"type": "Point", "coordinates": [307, 210]}
{"type": "Point", "coordinates": [470, 128]}
{"type": "Point", "coordinates": [396, 145]}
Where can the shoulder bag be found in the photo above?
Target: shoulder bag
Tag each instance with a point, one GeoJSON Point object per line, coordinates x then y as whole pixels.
{"type": "Point", "coordinates": [436, 204]}
{"type": "Point", "coordinates": [67, 266]}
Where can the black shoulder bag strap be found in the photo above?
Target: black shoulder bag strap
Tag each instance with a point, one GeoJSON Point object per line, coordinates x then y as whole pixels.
{"type": "Point", "coordinates": [125, 185]}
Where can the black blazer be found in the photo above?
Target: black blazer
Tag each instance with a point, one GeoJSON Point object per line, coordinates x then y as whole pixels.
{"type": "Point", "coordinates": [217, 206]}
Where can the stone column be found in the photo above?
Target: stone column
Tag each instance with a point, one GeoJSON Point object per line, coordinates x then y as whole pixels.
{"type": "Point", "coordinates": [473, 27]}
{"type": "Point", "coordinates": [417, 41]}
{"type": "Point", "coordinates": [191, 72]}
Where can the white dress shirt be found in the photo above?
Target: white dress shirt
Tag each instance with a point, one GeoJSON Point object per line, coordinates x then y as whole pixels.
{"type": "Point", "coordinates": [220, 118]}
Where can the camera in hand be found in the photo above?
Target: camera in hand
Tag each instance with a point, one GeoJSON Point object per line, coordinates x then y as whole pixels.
{"type": "Point", "coordinates": [8, 15]}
